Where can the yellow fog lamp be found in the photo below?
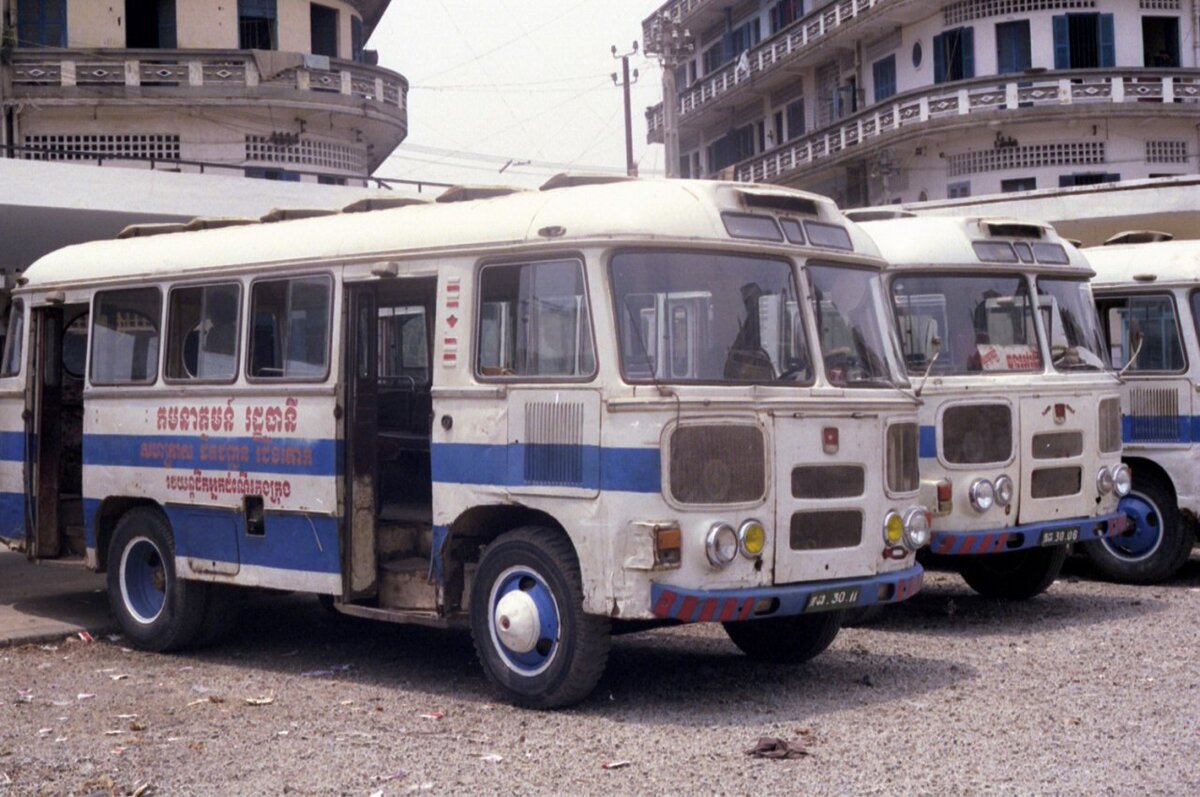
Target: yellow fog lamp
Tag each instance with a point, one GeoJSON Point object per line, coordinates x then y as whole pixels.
{"type": "Point", "coordinates": [752, 539]}
{"type": "Point", "coordinates": [893, 529]}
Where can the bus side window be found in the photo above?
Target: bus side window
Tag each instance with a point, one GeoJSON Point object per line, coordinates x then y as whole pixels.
{"type": "Point", "coordinates": [1152, 316]}
{"type": "Point", "coordinates": [541, 310]}
{"type": "Point", "coordinates": [14, 340]}
{"type": "Point", "coordinates": [125, 333]}
{"type": "Point", "coordinates": [202, 332]}
{"type": "Point", "coordinates": [290, 336]}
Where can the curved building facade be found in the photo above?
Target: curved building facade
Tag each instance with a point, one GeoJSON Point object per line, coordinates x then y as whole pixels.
{"type": "Point", "coordinates": [885, 101]}
{"type": "Point", "coordinates": [279, 89]}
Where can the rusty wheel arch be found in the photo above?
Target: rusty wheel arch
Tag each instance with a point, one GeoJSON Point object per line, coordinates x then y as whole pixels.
{"type": "Point", "coordinates": [110, 513]}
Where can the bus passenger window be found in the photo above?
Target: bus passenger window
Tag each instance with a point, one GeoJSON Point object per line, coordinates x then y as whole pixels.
{"type": "Point", "coordinates": [11, 365]}
{"type": "Point", "coordinates": [1148, 325]}
{"type": "Point", "coordinates": [125, 330]}
{"type": "Point", "coordinates": [202, 332]}
{"type": "Point", "coordinates": [534, 321]}
{"type": "Point", "coordinates": [289, 337]}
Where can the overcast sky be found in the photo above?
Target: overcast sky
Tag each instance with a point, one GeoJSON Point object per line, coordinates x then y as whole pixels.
{"type": "Point", "coordinates": [520, 80]}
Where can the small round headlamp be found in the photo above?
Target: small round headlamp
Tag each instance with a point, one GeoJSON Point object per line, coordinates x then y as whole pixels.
{"type": "Point", "coordinates": [982, 495]}
{"type": "Point", "coordinates": [917, 530]}
{"type": "Point", "coordinates": [721, 544]}
{"type": "Point", "coordinates": [1104, 481]}
{"type": "Point", "coordinates": [1122, 476]}
{"type": "Point", "coordinates": [893, 529]}
{"type": "Point", "coordinates": [1004, 491]}
{"type": "Point", "coordinates": [752, 539]}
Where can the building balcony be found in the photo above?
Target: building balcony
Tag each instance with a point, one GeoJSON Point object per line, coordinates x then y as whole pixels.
{"type": "Point", "coordinates": [1150, 93]}
{"type": "Point", "coordinates": [145, 78]}
{"type": "Point", "coordinates": [783, 53]}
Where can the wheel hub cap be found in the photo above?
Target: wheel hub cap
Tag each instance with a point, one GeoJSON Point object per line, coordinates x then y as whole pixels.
{"type": "Point", "coordinates": [517, 622]}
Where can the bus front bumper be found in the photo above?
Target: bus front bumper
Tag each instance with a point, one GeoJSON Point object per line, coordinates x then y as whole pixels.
{"type": "Point", "coordinates": [1033, 535]}
{"type": "Point", "coordinates": [726, 605]}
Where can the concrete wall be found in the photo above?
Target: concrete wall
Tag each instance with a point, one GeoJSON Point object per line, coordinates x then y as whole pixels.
{"type": "Point", "coordinates": [206, 24]}
{"type": "Point", "coordinates": [96, 24]}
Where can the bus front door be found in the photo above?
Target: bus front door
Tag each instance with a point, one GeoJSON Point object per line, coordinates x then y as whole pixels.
{"type": "Point", "coordinates": [44, 439]}
{"type": "Point", "coordinates": [360, 570]}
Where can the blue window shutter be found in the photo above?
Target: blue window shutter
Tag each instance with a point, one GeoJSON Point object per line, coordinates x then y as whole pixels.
{"type": "Point", "coordinates": [966, 43]}
{"type": "Point", "coordinates": [166, 24]}
{"type": "Point", "coordinates": [1004, 49]}
{"type": "Point", "coordinates": [939, 58]}
{"type": "Point", "coordinates": [1062, 43]}
{"type": "Point", "coordinates": [1108, 48]}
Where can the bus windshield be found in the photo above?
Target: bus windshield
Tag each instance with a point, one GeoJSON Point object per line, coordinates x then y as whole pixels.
{"type": "Point", "coordinates": [855, 339]}
{"type": "Point", "coordinates": [1069, 316]}
{"type": "Point", "coordinates": [984, 322]}
{"type": "Point", "coordinates": [686, 316]}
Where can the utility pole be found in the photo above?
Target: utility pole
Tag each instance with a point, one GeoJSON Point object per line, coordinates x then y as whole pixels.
{"type": "Point", "coordinates": [625, 83]}
{"type": "Point", "coordinates": [673, 44]}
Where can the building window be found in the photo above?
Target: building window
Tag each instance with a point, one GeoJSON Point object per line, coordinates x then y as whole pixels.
{"type": "Point", "coordinates": [356, 39]}
{"type": "Point", "coordinates": [256, 24]}
{"type": "Point", "coordinates": [1083, 41]}
{"type": "Point", "coordinates": [42, 23]}
{"type": "Point", "coordinates": [884, 72]}
{"type": "Point", "coordinates": [1087, 178]}
{"type": "Point", "coordinates": [795, 120]}
{"type": "Point", "coordinates": [735, 146]}
{"type": "Point", "coordinates": [150, 24]}
{"type": "Point", "coordinates": [954, 55]}
{"type": "Point", "coordinates": [958, 190]}
{"type": "Point", "coordinates": [1018, 184]}
{"type": "Point", "coordinates": [1012, 47]}
{"type": "Point", "coordinates": [324, 30]}
{"type": "Point", "coordinates": [1160, 41]}
{"type": "Point", "coordinates": [735, 42]}
{"type": "Point", "coordinates": [282, 175]}
{"type": "Point", "coordinates": [784, 13]}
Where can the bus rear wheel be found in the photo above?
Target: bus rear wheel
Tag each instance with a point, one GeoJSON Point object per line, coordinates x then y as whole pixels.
{"type": "Point", "coordinates": [1015, 575]}
{"type": "Point", "coordinates": [531, 634]}
{"type": "Point", "coordinates": [1156, 544]}
{"type": "Point", "coordinates": [786, 640]}
{"type": "Point", "coordinates": [154, 607]}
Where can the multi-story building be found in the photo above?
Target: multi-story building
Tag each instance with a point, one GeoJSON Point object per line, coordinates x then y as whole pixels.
{"type": "Point", "coordinates": [281, 89]}
{"type": "Point", "coordinates": [885, 101]}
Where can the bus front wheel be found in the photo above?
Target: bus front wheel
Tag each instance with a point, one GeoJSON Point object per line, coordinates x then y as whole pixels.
{"type": "Point", "coordinates": [786, 640]}
{"type": "Point", "coordinates": [1015, 575]}
{"type": "Point", "coordinates": [1156, 544]}
{"type": "Point", "coordinates": [531, 634]}
{"type": "Point", "coordinates": [154, 607]}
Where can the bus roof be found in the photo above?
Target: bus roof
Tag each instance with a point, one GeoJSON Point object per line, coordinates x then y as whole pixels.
{"type": "Point", "coordinates": [951, 241]}
{"type": "Point", "coordinates": [648, 210]}
{"type": "Point", "coordinates": [1158, 263]}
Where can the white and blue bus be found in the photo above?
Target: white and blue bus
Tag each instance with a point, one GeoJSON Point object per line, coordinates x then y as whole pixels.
{"type": "Point", "coordinates": [547, 415]}
{"type": "Point", "coordinates": [1020, 421]}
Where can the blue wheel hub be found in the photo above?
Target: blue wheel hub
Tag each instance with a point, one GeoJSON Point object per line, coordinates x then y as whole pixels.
{"type": "Point", "coordinates": [524, 621]}
{"type": "Point", "coordinates": [143, 580]}
{"type": "Point", "coordinates": [1145, 531]}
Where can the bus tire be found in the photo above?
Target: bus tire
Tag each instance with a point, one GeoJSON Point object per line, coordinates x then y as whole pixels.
{"type": "Point", "coordinates": [222, 611]}
{"type": "Point", "coordinates": [156, 609]}
{"type": "Point", "coordinates": [1014, 575]}
{"type": "Point", "coordinates": [531, 634]}
{"type": "Point", "coordinates": [1158, 544]}
{"type": "Point", "coordinates": [786, 640]}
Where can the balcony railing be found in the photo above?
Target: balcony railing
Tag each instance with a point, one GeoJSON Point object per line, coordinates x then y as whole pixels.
{"type": "Point", "coordinates": [972, 98]}
{"type": "Point", "coordinates": [771, 54]}
{"type": "Point", "coordinates": [678, 11]}
{"type": "Point", "coordinates": [188, 70]}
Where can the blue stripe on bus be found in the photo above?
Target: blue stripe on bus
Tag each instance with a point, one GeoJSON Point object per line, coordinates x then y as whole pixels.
{"type": "Point", "coordinates": [225, 454]}
{"type": "Point", "coordinates": [1160, 428]}
{"type": "Point", "coordinates": [12, 516]}
{"type": "Point", "coordinates": [927, 445]}
{"type": "Point", "coordinates": [635, 470]}
{"type": "Point", "coordinates": [12, 446]}
{"type": "Point", "coordinates": [292, 540]}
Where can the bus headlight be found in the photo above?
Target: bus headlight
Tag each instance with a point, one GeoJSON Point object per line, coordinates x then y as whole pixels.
{"type": "Point", "coordinates": [916, 528]}
{"type": "Point", "coordinates": [893, 529]}
{"type": "Point", "coordinates": [1104, 481]}
{"type": "Point", "coordinates": [1122, 476]}
{"type": "Point", "coordinates": [982, 495]}
{"type": "Point", "coordinates": [721, 545]}
{"type": "Point", "coordinates": [1004, 491]}
{"type": "Point", "coordinates": [752, 539]}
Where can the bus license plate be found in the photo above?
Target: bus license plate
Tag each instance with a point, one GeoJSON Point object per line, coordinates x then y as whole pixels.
{"type": "Point", "coordinates": [1060, 536]}
{"type": "Point", "coordinates": [828, 600]}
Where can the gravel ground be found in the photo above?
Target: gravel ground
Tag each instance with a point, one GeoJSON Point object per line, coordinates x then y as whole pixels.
{"type": "Point", "coordinates": [1091, 688]}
